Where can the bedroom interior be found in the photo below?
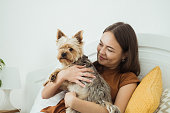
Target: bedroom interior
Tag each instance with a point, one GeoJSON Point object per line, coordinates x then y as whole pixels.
{"type": "Point", "coordinates": [28, 36]}
{"type": "Point", "coordinates": [154, 50]}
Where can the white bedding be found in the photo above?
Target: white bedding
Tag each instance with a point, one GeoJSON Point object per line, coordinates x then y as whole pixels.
{"type": "Point", "coordinates": [40, 103]}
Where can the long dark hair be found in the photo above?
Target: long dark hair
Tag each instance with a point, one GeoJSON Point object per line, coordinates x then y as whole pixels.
{"type": "Point", "coordinates": [126, 37]}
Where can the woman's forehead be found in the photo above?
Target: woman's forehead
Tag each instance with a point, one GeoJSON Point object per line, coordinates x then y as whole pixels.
{"type": "Point", "coordinates": [109, 39]}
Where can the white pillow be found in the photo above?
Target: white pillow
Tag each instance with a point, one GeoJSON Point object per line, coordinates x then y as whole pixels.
{"type": "Point", "coordinates": [40, 103]}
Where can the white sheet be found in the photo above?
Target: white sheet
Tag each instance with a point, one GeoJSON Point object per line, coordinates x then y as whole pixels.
{"type": "Point", "coordinates": [40, 103]}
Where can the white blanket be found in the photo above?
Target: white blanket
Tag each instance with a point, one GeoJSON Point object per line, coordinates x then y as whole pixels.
{"type": "Point", "coordinates": [40, 103]}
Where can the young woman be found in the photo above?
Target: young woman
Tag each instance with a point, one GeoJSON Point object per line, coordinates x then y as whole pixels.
{"type": "Point", "coordinates": [117, 62]}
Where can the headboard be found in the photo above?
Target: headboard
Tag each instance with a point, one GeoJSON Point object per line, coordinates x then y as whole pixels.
{"type": "Point", "coordinates": [154, 50]}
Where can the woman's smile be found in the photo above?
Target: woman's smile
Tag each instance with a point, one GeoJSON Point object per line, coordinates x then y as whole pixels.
{"type": "Point", "coordinates": [101, 58]}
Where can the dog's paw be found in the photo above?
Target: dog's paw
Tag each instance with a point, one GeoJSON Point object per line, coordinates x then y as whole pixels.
{"type": "Point", "coordinates": [45, 83]}
{"type": "Point", "coordinates": [52, 78]}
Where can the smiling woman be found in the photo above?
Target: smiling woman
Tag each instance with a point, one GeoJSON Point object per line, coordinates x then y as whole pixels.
{"type": "Point", "coordinates": [149, 45]}
{"type": "Point", "coordinates": [109, 50]}
{"type": "Point", "coordinates": [117, 47]}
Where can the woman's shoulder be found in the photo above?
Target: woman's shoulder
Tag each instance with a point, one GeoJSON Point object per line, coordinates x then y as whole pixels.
{"type": "Point", "coordinates": [128, 78]}
{"type": "Point", "coordinates": [129, 74]}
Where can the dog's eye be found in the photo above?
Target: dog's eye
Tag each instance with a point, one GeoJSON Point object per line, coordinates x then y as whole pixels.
{"type": "Point", "coordinates": [71, 49]}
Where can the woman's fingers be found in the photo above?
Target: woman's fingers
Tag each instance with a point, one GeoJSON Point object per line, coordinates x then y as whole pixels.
{"type": "Point", "coordinates": [83, 68]}
{"type": "Point", "coordinates": [88, 75]}
{"type": "Point", "coordinates": [77, 73]}
{"type": "Point", "coordinates": [87, 70]}
{"type": "Point", "coordinates": [85, 79]}
{"type": "Point", "coordinates": [79, 83]}
{"type": "Point", "coordinates": [80, 67]}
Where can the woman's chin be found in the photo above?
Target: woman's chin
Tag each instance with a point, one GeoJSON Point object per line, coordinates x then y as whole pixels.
{"type": "Point", "coordinates": [101, 62]}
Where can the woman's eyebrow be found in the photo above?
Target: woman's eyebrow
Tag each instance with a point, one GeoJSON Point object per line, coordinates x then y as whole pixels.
{"type": "Point", "coordinates": [108, 46]}
{"type": "Point", "coordinates": [101, 42]}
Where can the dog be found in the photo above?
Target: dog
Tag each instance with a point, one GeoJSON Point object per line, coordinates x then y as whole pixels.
{"type": "Point", "coordinates": [70, 52]}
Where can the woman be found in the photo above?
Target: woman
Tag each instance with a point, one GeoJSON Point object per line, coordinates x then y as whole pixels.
{"type": "Point", "coordinates": [117, 62]}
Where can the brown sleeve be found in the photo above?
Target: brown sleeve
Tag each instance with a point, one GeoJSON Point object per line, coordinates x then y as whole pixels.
{"type": "Point", "coordinates": [59, 108]}
{"type": "Point", "coordinates": [128, 78]}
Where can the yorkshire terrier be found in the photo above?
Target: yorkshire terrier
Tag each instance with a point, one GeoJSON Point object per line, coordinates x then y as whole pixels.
{"type": "Point", "coordinates": [70, 53]}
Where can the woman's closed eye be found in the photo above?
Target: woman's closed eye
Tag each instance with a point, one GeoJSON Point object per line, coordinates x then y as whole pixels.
{"type": "Point", "coordinates": [110, 50]}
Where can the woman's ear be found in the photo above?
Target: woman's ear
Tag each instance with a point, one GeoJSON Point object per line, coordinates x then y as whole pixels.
{"type": "Point", "coordinates": [124, 57]}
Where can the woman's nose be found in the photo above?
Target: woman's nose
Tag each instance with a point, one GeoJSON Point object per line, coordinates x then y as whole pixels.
{"type": "Point", "coordinates": [102, 51]}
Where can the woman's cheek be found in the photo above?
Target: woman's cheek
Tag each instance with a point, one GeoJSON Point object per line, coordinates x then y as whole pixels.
{"type": "Point", "coordinates": [98, 48]}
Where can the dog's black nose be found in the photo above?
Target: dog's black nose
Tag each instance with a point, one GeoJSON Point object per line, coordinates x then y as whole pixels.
{"type": "Point", "coordinates": [64, 55]}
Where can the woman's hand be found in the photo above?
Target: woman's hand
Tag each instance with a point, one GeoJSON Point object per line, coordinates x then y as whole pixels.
{"type": "Point", "coordinates": [69, 98]}
{"type": "Point", "coordinates": [75, 74]}
{"type": "Point", "coordinates": [82, 106]}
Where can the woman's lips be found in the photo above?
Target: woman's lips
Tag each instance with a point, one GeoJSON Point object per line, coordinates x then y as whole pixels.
{"type": "Point", "coordinates": [101, 58]}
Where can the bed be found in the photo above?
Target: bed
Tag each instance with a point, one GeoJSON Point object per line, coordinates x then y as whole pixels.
{"type": "Point", "coordinates": [154, 50]}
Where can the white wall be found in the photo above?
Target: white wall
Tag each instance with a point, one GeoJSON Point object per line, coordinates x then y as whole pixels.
{"type": "Point", "coordinates": [28, 28]}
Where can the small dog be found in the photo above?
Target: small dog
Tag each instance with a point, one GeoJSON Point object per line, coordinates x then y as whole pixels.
{"type": "Point", "coordinates": [70, 53]}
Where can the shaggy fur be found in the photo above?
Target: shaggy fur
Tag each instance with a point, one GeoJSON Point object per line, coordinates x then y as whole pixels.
{"type": "Point", "coordinates": [70, 53]}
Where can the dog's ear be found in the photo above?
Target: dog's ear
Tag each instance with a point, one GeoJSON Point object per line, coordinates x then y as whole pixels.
{"type": "Point", "coordinates": [79, 36]}
{"type": "Point", "coordinates": [60, 34]}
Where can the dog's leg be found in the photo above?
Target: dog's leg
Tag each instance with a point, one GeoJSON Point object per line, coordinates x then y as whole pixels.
{"type": "Point", "coordinates": [53, 76]}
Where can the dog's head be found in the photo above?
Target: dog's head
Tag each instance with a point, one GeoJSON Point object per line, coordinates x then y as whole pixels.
{"type": "Point", "coordinates": [69, 49]}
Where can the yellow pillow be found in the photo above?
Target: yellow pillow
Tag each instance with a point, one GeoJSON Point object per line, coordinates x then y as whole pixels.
{"type": "Point", "coordinates": [146, 97]}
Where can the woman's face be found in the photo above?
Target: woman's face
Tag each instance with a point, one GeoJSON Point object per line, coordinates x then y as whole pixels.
{"type": "Point", "coordinates": [109, 51]}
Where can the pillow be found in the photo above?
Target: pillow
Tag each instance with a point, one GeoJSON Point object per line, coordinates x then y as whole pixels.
{"type": "Point", "coordinates": [146, 97]}
{"type": "Point", "coordinates": [40, 103]}
{"type": "Point", "coordinates": [164, 106]}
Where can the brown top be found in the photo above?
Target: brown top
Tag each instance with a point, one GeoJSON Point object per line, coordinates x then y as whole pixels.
{"type": "Point", "coordinates": [113, 78]}
{"type": "Point", "coordinates": [59, 108]}
{"type": "Point", "coordinates": [117, 80]}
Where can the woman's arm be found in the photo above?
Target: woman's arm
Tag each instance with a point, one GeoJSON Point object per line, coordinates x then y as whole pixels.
{"type": "Point", "coordinates": [72, 74]}
{"type": "Point", "coordinates": [81, 105]}
{"type": "Point", "coordinates": [51, 88]}
{"type": "Point", "coordinates": [123, 96]}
